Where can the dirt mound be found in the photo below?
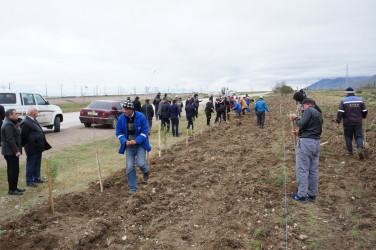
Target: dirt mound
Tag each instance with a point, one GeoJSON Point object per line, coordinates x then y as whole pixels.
{"type": "Point", "coordinates": [226, 190]}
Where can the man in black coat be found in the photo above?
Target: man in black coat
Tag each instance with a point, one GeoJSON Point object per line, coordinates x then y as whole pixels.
{"type": "Point", "coordinates": [2, 117]}
{"type": "Point", "coordinates": [148, 111]}
{"type": "Point", "coordinates": [165, 114]}
{"type": "Point", "coordinates": [34, 142]}
{"type": "Point", "coordinates": [156, 102]}
{"type": "Point", "coordinates": [137, 104]}
{"type": "Point", "coordinates": [11, 149]}
{"type": "Point", "coordinates": [208, 110]}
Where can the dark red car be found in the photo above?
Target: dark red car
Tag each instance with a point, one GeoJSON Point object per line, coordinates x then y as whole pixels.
{"type": "Point", "coordinates": [101, 112]}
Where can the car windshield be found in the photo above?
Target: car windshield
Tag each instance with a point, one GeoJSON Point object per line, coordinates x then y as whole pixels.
{"type": "Point", "coordinates": [100, 105]}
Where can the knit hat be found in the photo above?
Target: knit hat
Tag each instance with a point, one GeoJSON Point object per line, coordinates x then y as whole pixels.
{"type": "Point", "coordinates": [128, 105]}
{"type": "Point", "coordinates": [349, 90]}
{"type": "Point", "coordinates": [298, 97]}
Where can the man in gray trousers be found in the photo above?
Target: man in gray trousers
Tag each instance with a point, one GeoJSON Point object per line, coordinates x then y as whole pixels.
{"type": "Point", "coordinates": [307, 151]}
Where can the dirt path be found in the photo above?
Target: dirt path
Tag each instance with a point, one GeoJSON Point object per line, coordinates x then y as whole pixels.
{"type": "Point", "coordinates": [226, 190]}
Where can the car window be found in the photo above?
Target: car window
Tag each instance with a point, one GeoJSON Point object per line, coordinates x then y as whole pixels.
{"type": "Point", "coordinates": [28, 99]}
{"type": "Point", "coordinates": [118, 106]}
{"type": "Point", "coordinates": [8, 98]}
{"type": "Point", "coordinates": [100, 105]}
{"type": "Point", "coordinates": [40, 100]}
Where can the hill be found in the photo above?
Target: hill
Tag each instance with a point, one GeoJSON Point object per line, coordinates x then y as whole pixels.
{"type": "Point", "coordinates": [340, 82]}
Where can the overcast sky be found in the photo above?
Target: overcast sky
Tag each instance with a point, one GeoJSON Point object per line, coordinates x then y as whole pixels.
{"type": "Point", "coordinates": [123, 46]}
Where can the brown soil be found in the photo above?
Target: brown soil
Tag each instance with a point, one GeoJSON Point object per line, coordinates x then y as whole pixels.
{"type": "Point", "coordinates": [224, 191]}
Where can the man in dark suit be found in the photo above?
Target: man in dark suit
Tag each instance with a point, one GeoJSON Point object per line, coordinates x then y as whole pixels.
{"type": "Point", "coordinates": [34, 142]}
{"type": "Point", "coordinates": [12, 149]}
{"type": "Point", "coordinates": [2, 116]}
{"type": "Point", "coordinates": [148, 111]}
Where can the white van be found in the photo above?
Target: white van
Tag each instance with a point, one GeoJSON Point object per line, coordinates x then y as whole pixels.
{"type": "Point", "coordinates": [49, 116]}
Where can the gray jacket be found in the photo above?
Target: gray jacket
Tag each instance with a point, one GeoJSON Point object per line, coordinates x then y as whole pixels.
{"type": "Point", "coordinates": [10, 138]}
{"type": "Point", "coordinates": [310, 126]}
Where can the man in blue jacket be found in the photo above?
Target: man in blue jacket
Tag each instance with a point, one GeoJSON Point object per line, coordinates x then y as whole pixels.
{"type": "Point", "coordinates": [260, 107]}
{"type": "Point", "coordinates": [237, 108]}
{"type": "Point", "coordinates": [132, 132]}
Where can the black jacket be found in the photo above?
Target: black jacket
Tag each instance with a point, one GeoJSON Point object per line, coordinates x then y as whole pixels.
{"type": "Point", "coordinates": [209, 108]}
{"type": "Point", "coordinates": [10, 138]}
{"type": "Point", "coordinates": [33, 138]}
{"type": "Point", "coordinates": [165, 111]}
{"type": "Point", "coordinates": [352, 110]}
{"type": "Point", "coordinates": [191, 111]}
{"type": "Point", "coordinates": [156, 102]}
{"type": "Point", "coordinates": [148, 111]}
{"type": "Point", "coordinates": [137, 105]}
{"type": "Point", "coordinates": [310, 126]}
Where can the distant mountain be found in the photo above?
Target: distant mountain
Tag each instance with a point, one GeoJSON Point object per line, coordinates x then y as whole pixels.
{"type": "Point", "coordinates": [340, 82]}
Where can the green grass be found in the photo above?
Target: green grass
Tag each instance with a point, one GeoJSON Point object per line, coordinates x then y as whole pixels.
{"type": "Point", "coordinates": [73, 107]}
{"type": "Point", "coordinates": [259, 232]}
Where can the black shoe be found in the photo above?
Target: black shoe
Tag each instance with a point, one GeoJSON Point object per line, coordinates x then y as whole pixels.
{"type": "Point", "coordinates": [311, 198]}
{"type": "Point", "coordinates": [349, 154]}
{"type": "Point", "coordinates": [131, 192]}
{"type": "Point", "coordinates": [146, 176]}
{"type": "Point", "coordinates": [31, 185]}
{"type": "Point", "coordinates": [40, 181]}
{"type": "Point", "coordinates": [15, 192]}
{"type": "Point", "coordinates": [21, 190]}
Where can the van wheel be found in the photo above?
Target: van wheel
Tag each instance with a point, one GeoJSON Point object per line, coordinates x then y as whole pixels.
{"type": "Point", "coordinates": [57, 124]}
{"type": "Point", "coordinates": [87, 124]}
{"type": "Point", "coordinates": [114, 122]}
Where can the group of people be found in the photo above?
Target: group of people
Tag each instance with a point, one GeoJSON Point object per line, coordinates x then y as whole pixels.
{"type": "Point", "coordinates": [352, 110]}
{"type": "Point", "coordinates": [32, 138]}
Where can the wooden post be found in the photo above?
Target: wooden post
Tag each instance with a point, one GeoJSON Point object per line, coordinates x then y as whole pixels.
{"type": "Point", "coordinates": [52, 208]}
{"type": "Point", "coordinates": [159, 139]}
{"type": "Point", "coordinates": [201, 128]}
{"type": "Point", "coordinates": [99, 171]}
{"type": "Point", "coordinates": [186, 139]}
{"type": "Point", "coordinates": [294, 137]}
{"type": "Point", "coordinates": [148, 158]}
{"type": "Point", "coordinates": [365, 133]}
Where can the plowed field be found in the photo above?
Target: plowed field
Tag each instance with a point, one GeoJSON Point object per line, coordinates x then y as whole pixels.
{"type": "Point", "coordinates": [225, 190]}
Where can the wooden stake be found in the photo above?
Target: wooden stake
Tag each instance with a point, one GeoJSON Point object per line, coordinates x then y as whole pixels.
{"type": "Point", "coordinates": [159, 139]}
{"type": "Point", "coordinates": [294, 137]}
{"type": "Point", "coordinates": [148, 159]}
{"type": "Point", "coordinates": [201, 128]}
{"type": "Point", "coordinates": [365, 133]}
{"type": "Point", "coordinates": [52, 208]}
{"type": "Point", "coordinates": [99, 171]}
{"type": "Point", "coordinates": [186, 139]}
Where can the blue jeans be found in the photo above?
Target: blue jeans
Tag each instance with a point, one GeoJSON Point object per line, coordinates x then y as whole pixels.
{"type": "Point", "coordinates": [33, 168]}
{"type": "Point", "coordinates": [131, 152]}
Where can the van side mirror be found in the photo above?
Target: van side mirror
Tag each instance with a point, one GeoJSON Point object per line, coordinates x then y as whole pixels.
{"type": "Point", "coordinates": [47, 102]}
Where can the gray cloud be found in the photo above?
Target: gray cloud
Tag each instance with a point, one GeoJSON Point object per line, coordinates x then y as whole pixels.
{"type": "Point", "coordinates": [195, 45]}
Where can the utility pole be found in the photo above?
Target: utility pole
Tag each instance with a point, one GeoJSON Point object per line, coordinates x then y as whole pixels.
{"type": "Point", "coordinates": [347, 74]}
{"type": "Point", "coordinates": [9, 85]}
{"type": "Point", "coordinates": [46, 89]}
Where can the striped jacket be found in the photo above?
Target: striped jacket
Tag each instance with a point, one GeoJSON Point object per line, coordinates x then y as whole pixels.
{"type": "Point", "coordinates": [351, 109]}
